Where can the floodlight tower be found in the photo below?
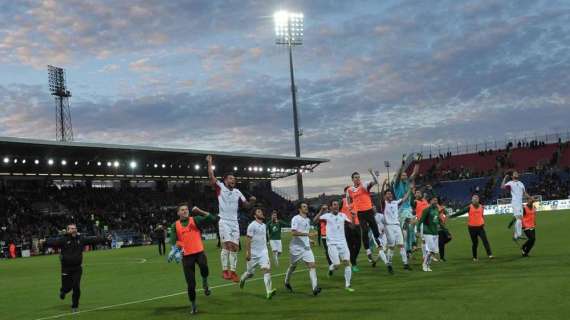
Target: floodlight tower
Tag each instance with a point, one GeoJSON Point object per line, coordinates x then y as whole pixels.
{"type": "Point", "coordinates": [58, 89]}
{"type": "Point", "coordinates": [289, 32]}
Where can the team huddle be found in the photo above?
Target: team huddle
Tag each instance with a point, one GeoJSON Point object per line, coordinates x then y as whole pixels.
{"type": "Point", "coordinates": [407, 219]}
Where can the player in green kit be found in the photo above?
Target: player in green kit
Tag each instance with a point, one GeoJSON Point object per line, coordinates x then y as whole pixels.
{"type": "Point", "coordinates": [430, 225]}
{"type": "Point", "coordinates": [274, 233]}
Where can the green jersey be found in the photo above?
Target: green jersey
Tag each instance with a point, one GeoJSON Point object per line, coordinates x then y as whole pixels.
{"type": "Point", "coordinates": [274, 229]}
{"type": "Point", "coordinates": [200, 222]}
{"type": "Point", "coordinates": [430, 220]}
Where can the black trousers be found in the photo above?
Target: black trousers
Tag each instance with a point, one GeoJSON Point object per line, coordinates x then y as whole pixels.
{"type": "Point", "coordinates": [326, 250]}
{"type": "Point", "coordinates": [475, 233]}
{"type": "Point", "coordinates": [71, 281]}
{"type": "Point", "coordinates": [353, 239]}
{"type": "Point", "coordinates": [443, 238]}
{"type": "Point", "coordinates": [161, 247]}
{"type": "Point", "coordinates": [367, 222]}
{"type": "Point", "coordinates": [188, 264]}
{"type": "Point", "coordinates": [531, 236]}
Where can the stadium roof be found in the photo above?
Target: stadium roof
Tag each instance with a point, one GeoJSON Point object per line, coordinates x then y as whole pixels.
{"type": "Point", "coordinates": [31, 157]}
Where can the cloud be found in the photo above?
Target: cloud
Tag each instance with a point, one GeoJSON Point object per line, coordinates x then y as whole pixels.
{"type": "Point", "coordinates": [109, 68]}
{"type": "Point", "coordinates": [143, 66]}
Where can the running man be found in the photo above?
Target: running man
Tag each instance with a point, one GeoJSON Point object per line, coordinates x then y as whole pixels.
{"type": "Point", "coordinates": [187, 238]}
{"type": "Point", "coordinates": [476, 226]}
{"type": "Point", "coordinates": [71, 245]}
{"type": "Point", "coordinates": [256, 253]}
{"type": "Point", "coordinates": [353, 235]}
{"type": "Point", "coordinates": [359, 197]}
{"type": "Point", "coordinates": [274, 233]}
{"type": "Point", "coordinates": [229, 199]}
{"type": "Point", "coordinates": [529, 224]}
{"type": "Point", "coordinates": [380, 221]}
{"type": "Point", "coordinates": [336, 241]}
{"type": "Point", "coordinates": [322, 227]}
{"type": "Point", "coordinates": [300, 248]}
{"type": "Point", "coordinates": [403, 186]}
{"type": "Point", "coordinates": [517, 189]}
{"type": "Point", "coordinates": [430, 226]}
{"type": "Point", "coordinates": [394, 234]}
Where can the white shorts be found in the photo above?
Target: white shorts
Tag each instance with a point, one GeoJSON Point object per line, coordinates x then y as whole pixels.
{"type": "Point", "coordinates": [306, 256]}
{"type": "Point", "coordinates": [229, 231]}
{"type": "Point", "coordinates": [276, 245]}
{"type": "Point", "coordinates": [338, 253]}
{"type": "Point", "coordinates": [517, 210]}
{"type": "Point", "coordinates": [261, 261]}
{"type": "Point", "coordinates": [431, 243]}
{"type": "Point", "coordinates": [394, 235]}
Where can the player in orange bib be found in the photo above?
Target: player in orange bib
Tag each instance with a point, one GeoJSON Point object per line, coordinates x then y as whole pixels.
{"type": "Point", "coordinates": [419, 204]}
{"type": "Point", "coordinates": [353, 235]}
{"type": "Point", "coordinates": [186, 236]}
{"type": "Point", "coordinates": [476, 226]}
{"type": "Point", "coordinates": [528, 225]}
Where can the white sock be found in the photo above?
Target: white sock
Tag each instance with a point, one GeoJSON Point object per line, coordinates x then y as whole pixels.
{"type": "Point", "coordinates": [290, 271]}
{"type": "Point", "coordinates": [246, 275]}
{"type": "Point", "coordinates": [331, 267]}
{"type": "Point", "coordinates": [347, 275]}
{"type": "Point", "coordinates": [267, 280]}
{"type": "Point", "coordinates": [368, 252]}
{"type": "Point", "coordinates": [225, 259]}
{"type": "Point", "coordinates": [233, 260]}
{"type": "Point", "coordinates": [404, 255]}
{"type": "Point", "coordinates": [389, 256]}
{"type": "Point", "coordinates": [424, 250]}
{"type": "Point", "coordinates": [382, 256]}
{"type": "Point", "coordinates": [426, 259]}
{"type": "Point", "coordinates": [276, 257]}
{"type": "Point", "coordinates": [518, 228]}
{"type": "Point", "coordinates": [313, 276]}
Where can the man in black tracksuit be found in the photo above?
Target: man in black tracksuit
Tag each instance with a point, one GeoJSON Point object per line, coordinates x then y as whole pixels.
{"type": "Point", "coordinates": [71, 245]}
{"type": "Point", "coordinates": [160, 235]}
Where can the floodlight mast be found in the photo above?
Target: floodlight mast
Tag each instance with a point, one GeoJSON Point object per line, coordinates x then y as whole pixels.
{"type": "Point", "coordinates": [57, 87]}
{"type": "Point", "coordinates": [289, 32]}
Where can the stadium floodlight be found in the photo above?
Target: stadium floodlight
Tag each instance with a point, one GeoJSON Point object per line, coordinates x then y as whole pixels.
{"type": "Point", "coordinates": [197, 167]}
{"type": "Point", "coordinates": [260, 169]}
{"type": "Point", "coordinates": [24, 161]}
{"type": "Point", "coordinates": [235, 168]}
{"type": "Point", "coordinates": [116, 164]}
{"type": "Point", "coordinates": [76, 163]}
{"type": "Point", "coordinates": [15, 160]}
{"type": "Point", "coordinates": [109, 163]}
{"type": "Point", "coordinates": [249, 169]}
{"type": "Point", "coordinates": [98, 163]}
{"type": "Point", "coordinates": [50, 162]}
{"type": "Point", "coordinates": [289, 31]}
{"type": "Point", "coordinates": [63, 162]}
{"type": "Point", "coordinates": [133, 164]}
{"type": "Point", "coordinates": [163, 166]}
{"type": "Point", "coordinates": [6, 160]}
{"type": "Point", "coordinates": [213, 167]}
{"type": "Point", "coordinates": [156, 165]}
{"type": "Point", "coordinates": [255, 169]}
{"type": "Point", "coordinates": [36, 161]}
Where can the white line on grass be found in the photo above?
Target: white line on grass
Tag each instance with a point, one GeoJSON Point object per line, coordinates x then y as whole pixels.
{"type": "Point", "coordinates": [152, 299]}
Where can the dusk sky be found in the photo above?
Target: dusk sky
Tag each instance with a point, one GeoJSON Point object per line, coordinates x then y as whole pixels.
{"type": "Point", "coordinates": [375, 78]}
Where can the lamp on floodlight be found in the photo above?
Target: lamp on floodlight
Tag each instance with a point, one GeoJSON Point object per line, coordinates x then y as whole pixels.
{"type": "Point", "coordinates": [63, 162]}
{"type": "Point", "coordinates": [289, 32]}
{"type": "Point", "coordinates": [197, 167]}
{"type": "Point", "coordinates": [132, 164]}
{"type": "Point", "coordinates": [24, 161]}
{"type": "Point", "coordinates": [50, 162]}
{"type": "Point", "coordinates": [116, 164]}
{"type": "Point", "coordinates": [235, 168]}
{"type": "Point", "coordinates": [36, 161]}
{"type": "Point", "coordinates": [6, 160]}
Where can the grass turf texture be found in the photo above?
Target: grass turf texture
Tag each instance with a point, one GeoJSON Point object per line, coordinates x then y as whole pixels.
{"type": "Point", "coordinates": [509, 287]}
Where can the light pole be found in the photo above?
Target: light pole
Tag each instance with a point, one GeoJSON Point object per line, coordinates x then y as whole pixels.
{"type": "Point", "coordinates": [289, 32]}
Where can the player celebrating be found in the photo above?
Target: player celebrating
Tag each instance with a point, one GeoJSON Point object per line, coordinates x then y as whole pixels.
{"type": "Point", "coordinates": [256, 253]}
{"type": "Point", "coordinates": [336, 241]}
{"type": "Point", "coordinates": [187, 237]}
{"type": "Point", "coordinates": [361, 201]}
{"type": "Point", "coordinates": [229, 198]}
{"type": "Point", "coordinates": [517, 192]}
{"type": "Point", "coordinates": [430, 226]}
{"type": "Point", "coordinates": [529, 223]}
{"type": "Point", "coordinates": [353, 235]}
{"type": "Point", "coordinates": [300, 248]}
{"type": "Point", "coordinates": [402, 186]}
{"type": "Point", "coordinates": [380, 221]}
{"type": "Point", "coordinates": [394, 234]}
{"type": "Point", "coordinates": [419, 204]}
{"type": "Point", "coordinates": [274, 232]}
{"type": "Point", "coordinates": [476, 226]}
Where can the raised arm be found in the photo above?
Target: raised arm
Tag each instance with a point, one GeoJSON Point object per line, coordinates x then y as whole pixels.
{"type": "Point", "coordinates": [317, 217]}
{"type": "Point", "coordinates": [415, 172]}
{"type": "Point", "coordinates": [460, 212]}
{"type": "Point", "coordinates": [504, 183]}
{"type": "Point", "coordinates": [211, 175]}
{"type": "Point", "coordinates": [204, 218]}
{"type": "Point", "coordinates": [374, 179]}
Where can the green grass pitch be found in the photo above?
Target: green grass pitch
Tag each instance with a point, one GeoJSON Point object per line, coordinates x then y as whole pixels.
{"type": "Point", "coordinates": [136, 283]}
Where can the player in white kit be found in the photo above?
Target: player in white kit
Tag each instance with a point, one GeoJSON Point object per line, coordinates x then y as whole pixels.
{"type": "Point", "coordinates": [336, 241]}
{"type": "Point", "coordinates": [380, 221]}
{"type": "Point", "coordinates": [517, 190]}
{"type": "Point", "coordinates": [394, 235]}
{"type": "Point", "coordinates": [256, 253]}
{"type": "Point", "coordinates": [300, 248]}
{"type": "Point", "coordinates": [229, 199]}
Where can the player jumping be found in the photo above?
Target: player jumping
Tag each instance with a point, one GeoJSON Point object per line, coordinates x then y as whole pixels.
{"type": "Point", "coordinates": [517, 192]}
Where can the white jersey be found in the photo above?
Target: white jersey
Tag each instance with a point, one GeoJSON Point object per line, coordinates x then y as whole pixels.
{"type": "Point", "coordinates": [517, 192]}
{"type": "Point", "coordinates": [258, 234]}
{"type": "Point", "coordinates": [228, 201]}
{"type": "Point", "coordinates": [335, 227]}
{"type": "Point", "coordinates": [391, 210]}
{"type": "Point", "coordinates": [303, 225]}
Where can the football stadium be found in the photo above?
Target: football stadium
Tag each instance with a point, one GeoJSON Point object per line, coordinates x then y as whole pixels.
{"type": "Point", "coordinates": [284, 160]}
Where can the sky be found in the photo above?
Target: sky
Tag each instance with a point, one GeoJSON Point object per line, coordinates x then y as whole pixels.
{"type": "Point", "coordinates": [375, 79]}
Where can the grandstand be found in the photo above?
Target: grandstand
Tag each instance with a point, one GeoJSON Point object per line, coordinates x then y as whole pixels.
{"type": "Point", "coordinates": [545, 167]}
{"type": "Point", "coordinates": [119, 189]}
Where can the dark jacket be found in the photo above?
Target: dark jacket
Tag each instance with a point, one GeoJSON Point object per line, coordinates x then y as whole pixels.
{"type": "Point", "coordinates": [72, 248]}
